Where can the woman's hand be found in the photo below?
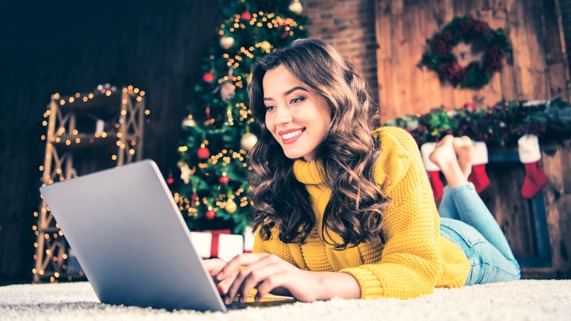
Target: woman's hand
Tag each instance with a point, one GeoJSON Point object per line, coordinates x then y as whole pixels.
{"type": "Point", "coordinates": [269, 273]}
{"type": "Point", "coordinates": [214, 266]}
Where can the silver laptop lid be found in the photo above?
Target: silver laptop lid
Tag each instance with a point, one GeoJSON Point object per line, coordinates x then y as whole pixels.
{"type": "Point", "coordinates": [131, 240]}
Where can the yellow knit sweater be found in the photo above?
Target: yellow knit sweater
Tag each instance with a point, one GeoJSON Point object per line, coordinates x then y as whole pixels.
{"type": "Point", "coordinates": [414, 259]}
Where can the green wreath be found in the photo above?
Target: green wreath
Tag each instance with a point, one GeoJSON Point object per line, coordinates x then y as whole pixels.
{"type": "Point", "coordinates": [493, 43]}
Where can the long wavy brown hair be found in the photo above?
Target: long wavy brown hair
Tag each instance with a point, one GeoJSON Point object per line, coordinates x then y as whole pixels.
{"type": "Point", "coordinates": [348, 153]}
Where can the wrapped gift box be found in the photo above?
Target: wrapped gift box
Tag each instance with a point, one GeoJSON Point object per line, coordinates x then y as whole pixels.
{"type": "Point", "coordinates": [220, 244]}
{"type": "Point", "coordinates": [248, 239]}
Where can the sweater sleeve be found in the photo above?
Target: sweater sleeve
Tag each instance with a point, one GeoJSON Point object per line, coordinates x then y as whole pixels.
{"type": "Point", "coordinates": [273, 246]}
{"type": "Point", "coordinates": [410, 263]}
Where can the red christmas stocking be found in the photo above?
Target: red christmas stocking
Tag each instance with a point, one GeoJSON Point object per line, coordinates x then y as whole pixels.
{"type": "Point", "coordinates": [432, 170]}
{"type": "Point", "coordinates": [478, 176]}
{"type": "Point", "coordinates": [530, 154]}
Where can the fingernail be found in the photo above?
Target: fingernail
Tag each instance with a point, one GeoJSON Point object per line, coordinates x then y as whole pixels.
{"type": "Point", "coordinates": [219, 277]}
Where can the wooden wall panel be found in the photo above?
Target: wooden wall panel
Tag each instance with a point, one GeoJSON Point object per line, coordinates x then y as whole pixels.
{"type": "Point", "coordinates": [531, 26]}
{"type": "Point", "coordinates": [557, 165]}
{"type": "Point", "coordinates": [563, 8]}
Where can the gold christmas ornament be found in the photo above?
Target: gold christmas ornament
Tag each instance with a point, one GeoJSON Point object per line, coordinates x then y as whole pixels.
{"type": "Point", "coordinates": [231, 206]}
{"type": "Point", "coordinates": [266, 46]}
{"type": "Point", "coordinates": [188, 122]}
{"type": "Point", "coordinates": [248, 141]}
{"type": "Point", "coordinates": [296, 7]}
{"type": "Point", "coordinates": [226, 42]}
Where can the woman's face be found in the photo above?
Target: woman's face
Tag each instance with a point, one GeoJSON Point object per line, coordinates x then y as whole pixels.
{"type": "Point", "coordinates": [297, 117]}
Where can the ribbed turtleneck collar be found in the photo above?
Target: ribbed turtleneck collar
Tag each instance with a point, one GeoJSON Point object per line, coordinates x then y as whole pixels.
{"type": "Point", "coordinates": [308, 172]}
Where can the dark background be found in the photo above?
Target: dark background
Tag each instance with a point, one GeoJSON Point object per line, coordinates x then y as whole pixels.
{"type": "Point", "coordinates": [73, 46]}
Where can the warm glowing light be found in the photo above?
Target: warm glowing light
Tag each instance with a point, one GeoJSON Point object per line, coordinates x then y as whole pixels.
{"type": "Point", "coordinates": [147, 112]}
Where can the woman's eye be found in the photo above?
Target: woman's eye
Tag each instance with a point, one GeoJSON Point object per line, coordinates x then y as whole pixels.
{"type": "Point", "coordinates": [297, 100]}
{"type": "Point", "coordinates": [269, 108]}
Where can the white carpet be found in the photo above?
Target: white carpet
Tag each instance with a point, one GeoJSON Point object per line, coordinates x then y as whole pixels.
{"type": "Point", "coordinates": [522, 300]}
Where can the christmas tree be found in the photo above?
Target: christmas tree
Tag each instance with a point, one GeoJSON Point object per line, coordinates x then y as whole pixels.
{"type": "Point", "coordinates": [213, 192]}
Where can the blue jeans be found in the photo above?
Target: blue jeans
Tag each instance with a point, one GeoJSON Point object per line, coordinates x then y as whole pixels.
{"type": "Point", "coordinates": [467, 222]}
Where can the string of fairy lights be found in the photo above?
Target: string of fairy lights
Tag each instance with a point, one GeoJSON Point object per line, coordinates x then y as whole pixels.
{"type": "Point", "coordinates": [230, 200]}
{"type": "Point", "coordinates": [60, 120]}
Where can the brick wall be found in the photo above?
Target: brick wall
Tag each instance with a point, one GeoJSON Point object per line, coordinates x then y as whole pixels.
{"type": "Point", "coordinates": [565, 7]}
{"type": "Point", "coordinates": [350, 27]}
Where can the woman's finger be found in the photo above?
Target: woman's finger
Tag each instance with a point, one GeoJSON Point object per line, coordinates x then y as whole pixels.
{"type": "Point", "coordinates": [238, 261]}
{"type": "Point", "coordinates": [255, 277]}
{"type": "Point", "coordinates": [249, 276]}
{"type": "Point", "coordinates": [271, 282]}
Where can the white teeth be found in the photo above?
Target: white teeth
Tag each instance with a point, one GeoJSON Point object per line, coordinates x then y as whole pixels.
{"type": "Point", "coordinates": [292, 134]}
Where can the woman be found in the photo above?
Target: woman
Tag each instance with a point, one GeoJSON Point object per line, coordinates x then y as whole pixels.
{"type": "Point", "coordinates": [343, 209]}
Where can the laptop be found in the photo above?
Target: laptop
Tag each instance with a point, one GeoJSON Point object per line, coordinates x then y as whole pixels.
{"type": "Point", "coordinates": [131, 239]}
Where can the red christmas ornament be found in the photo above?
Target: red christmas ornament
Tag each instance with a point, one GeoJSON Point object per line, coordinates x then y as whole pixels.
{"type": "Point", "coordinates": [210, 214]}
{"type": "Point", "coordinates": [207, 112]}
{"type": "Point", "coordinates": [170, 180]}
{"type": "Point", "coordinates": [224, 179]}
{"type": "Point", "coordinates": [203, 153]}
{"type": "Point", "coordinates": [246, 16]}
{"type": "Point", "coordinates": [208, 77]}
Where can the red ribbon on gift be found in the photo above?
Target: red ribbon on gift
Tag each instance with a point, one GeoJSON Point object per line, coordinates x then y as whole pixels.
{"type": "Point", "coordinates": [214, 244]}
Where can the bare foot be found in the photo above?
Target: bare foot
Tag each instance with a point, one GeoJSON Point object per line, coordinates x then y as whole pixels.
{"type": "Point", "coordinates": [444, 154]}
{"type": "Point", "coordinates": [465, 152]}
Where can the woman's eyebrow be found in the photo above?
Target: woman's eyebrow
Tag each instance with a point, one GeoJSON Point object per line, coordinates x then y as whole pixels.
{"type": "Point", "coordinates": [288, 92]}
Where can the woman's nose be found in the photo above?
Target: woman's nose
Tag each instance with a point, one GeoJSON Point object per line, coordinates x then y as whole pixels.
{"type": "Point", "coordinates": [283, 115]}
